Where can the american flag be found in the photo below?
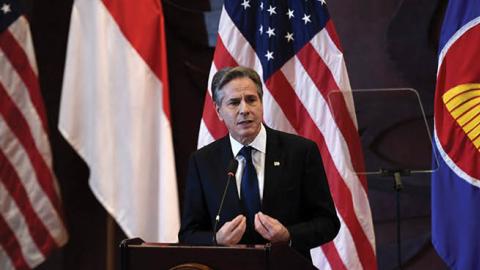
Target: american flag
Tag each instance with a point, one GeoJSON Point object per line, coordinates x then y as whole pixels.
{"type": "Point", "coordinates": [293, 46]}
{"type": "Point", "coordinates": [31, 223]}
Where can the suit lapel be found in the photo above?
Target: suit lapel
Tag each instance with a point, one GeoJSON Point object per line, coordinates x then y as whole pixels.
{"type": "Point", "coordinates": [225, 155]}
{"type": "Point", "coordinates": [232, 201]}
{"type": "Point", "coordinates": [273, 169]}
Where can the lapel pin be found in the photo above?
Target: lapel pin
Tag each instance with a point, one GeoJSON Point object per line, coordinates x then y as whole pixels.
{"type": "Point", "coordinates": [276, 163]}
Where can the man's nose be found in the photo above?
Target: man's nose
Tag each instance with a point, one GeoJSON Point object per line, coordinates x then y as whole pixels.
{"type": "Point", "coordinates": [244, 108]}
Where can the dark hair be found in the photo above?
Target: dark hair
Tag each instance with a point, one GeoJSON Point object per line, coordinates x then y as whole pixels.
{"type": "Point", "coordinates": [226, 75]}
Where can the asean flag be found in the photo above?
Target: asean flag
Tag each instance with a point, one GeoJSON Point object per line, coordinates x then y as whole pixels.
{"type": "Point", "coordinates": [456, 183]}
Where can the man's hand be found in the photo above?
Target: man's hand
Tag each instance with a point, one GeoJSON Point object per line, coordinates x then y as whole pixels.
{"type": "Point", "coordinates": [271, 229]}
{"type": "Point", "coordinates": [231, 232]}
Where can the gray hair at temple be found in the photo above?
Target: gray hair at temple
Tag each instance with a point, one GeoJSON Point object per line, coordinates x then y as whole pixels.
{"type": "Point", "coordinates": [228, 74]}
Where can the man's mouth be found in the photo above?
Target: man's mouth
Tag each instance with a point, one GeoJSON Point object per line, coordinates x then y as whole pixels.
{"type": "Point", "coordinates": [244, 122]}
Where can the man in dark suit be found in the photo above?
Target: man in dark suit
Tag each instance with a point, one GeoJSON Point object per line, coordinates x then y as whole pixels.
{"type": "Point", "coordinates": [280, 194]}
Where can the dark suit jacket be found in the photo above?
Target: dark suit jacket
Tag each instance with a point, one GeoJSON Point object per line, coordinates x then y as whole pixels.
{"type": "Point", "coordinates": [295, 191]}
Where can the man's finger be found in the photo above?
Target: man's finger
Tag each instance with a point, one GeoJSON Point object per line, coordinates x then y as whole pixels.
{"type": "Point", "coordinates": [231, 225]}
{"type": "Point", "coordinates": [260, 228]}
{"type": "Point", "coordinates": [275, 231]}
{"type": "Point", "coordinates": [242, 223]}
{"type": "Point", "coordinates": [267, 221]}
{"type": "Point", "coordinates": [232, 231]}
{"type": "Point", "coordinates": [239, 230]}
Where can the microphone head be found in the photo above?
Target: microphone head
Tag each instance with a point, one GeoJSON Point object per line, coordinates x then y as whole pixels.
{"type": "Point", "coordinates": [232, 167]}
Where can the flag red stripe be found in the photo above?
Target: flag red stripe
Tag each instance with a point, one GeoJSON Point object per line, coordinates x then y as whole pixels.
{"type": "Point", "coordinates": [221, 59]}
{"type": "Point", "coordinates": [340, 192]}
{"type": "Point", "coordinates": [333, 257]}
{"type": "Point", "coordinates": [333, 34]}
{"type": "Point", "coordinates": [344, 203]}
{"type": "Point", "coordinates": [164, 65]}
{"type": "Point", "coordinates": [292, 107]}
{"type": "Point", "coordinates": [216, 128]}
{"type": "Point", "coordinates": [12, 183]}
{"type": "Point", "coordinates": [20, 128]}
{"type": "Point", "coordinates": [132, 18]}
{"type": "Point", "coordinates": [325, 82]}
{"type": "Point", "coordinates": [11, 246]}
{"type": "Point", "coordinates": [19, 60]}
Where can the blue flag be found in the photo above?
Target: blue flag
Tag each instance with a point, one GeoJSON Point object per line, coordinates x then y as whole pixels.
{"type": "Point", "coordinates": [456, 183]}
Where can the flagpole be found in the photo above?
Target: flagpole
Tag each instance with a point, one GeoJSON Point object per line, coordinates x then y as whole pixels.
{"type": "Point", "coordinates": [110, 243]}
{"type": "Point", "coordinates": [398, 187]}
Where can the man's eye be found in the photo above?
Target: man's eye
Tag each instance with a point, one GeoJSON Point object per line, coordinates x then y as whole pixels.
{"type": "Point", "coordinates": [233, 102]}
{"type": "Point", "coordinates": [251, 99]}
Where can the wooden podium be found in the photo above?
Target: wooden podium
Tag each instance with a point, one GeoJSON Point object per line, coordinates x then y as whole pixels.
{"type": "Point", "coordinates": [136, 254]}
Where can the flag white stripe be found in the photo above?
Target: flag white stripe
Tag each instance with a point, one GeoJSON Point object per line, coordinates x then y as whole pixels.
{"type": "Point", "coordinates": [213, 70]}
{"type": "Point", "coordinates": [348, 253]}
{"type": "Point", "coordinates": [318, 109]}
{"type": "Point", "coordinates": [204, 136]}
{"type": "Point", "coordinates": [16, 222]}
{"type": "Point", "coordinates": [275, 118]}
{"type": "Point", "coordinates": [20, 31]}
{"type": "Point", "coordinates": [319, 259]}
{"type": "Point", "coordinates": [333, 59]}
{"type": "Point", "coordinates": [42, 206]}
{"type": "Point", "coordinates": [5, 262]}
{"type": "Point", "coordinates": [111, 112]}
{"type": "Point", "coordinates": [17, 91]}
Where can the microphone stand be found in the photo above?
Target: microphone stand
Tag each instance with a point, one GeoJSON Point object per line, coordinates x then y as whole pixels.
{"type": "Point", "coordinates": [397, 186]}
{"type": "Point", "coordinates": [232, 168]}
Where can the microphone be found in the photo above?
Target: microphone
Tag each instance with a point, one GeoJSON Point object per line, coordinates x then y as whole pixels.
{"type": "Point", "coordinates": [231, 170]}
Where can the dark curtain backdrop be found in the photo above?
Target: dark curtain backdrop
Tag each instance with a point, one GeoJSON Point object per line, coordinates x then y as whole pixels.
{"type": "Point", "coordinates": [387, 44]}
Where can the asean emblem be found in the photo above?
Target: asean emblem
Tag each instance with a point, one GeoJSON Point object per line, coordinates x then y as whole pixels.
{"type": "Point", "coordinates": [463, 103]}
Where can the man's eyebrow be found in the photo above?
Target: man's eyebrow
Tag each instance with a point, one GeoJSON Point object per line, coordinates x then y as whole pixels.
{"type": "Point", "coordinates": [232, 99]}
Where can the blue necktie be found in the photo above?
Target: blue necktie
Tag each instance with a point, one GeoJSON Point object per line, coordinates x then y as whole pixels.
{"type": "Point", "coordinates": [250, 195]}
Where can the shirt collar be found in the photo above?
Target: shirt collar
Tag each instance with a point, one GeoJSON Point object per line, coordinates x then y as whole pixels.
{"type": "Point", "coordinates": [259, 143]}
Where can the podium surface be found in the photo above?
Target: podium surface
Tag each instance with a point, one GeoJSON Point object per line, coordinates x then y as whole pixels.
{"type": "Point", "coordinates": [137, 254]}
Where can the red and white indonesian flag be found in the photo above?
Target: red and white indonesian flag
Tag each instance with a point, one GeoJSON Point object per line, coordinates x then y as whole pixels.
{"type": "Point", "coordinates": [31, 223]}
{"type": "Point", "coordinates": [115, 112]}
{"type": "Point", "coordinates": [294, 48]}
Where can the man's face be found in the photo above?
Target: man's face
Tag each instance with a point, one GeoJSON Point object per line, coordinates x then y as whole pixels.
{"type": "Point", "coordinates": [241, 109]}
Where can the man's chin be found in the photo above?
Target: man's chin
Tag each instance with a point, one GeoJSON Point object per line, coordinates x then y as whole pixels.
{"type": "Point", "coordinates": [247, 136]}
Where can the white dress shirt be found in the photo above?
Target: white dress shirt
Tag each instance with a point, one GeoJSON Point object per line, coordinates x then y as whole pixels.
{"type": "Point", "coordinates": [259, 145]}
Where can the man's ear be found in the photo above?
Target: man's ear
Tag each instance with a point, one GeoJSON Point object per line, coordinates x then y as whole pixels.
{"type": "Point", "coordinates": [217, 110]}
